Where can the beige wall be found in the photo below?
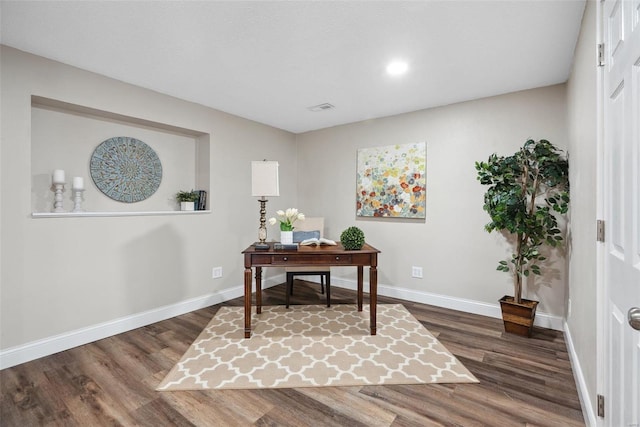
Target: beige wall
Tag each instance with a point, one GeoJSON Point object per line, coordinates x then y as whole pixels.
{"type": "Point", "coordinates": [62, 139]}
{"type": "Point", "coordinates": [58, 275]}
{"type": "Point", "coordinates": [458, 257]}
{"type": "Point", "coordinates": [583, 131]}
{"type": "Point", "coordinates": [63, 274]}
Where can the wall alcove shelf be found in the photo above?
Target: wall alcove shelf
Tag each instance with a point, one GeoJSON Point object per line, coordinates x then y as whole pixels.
{"type": "Point", "coordinates": [112, 214]}
{"type": "Point", "coordinates": [64, 136]}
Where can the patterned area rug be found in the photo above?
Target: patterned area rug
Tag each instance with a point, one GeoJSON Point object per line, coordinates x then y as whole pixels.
{"type": "Point", "coordinates": [314, 346]}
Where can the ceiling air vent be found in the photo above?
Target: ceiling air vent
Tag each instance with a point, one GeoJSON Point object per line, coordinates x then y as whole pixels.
{"type": "Point", "coordinates": [321, 107]}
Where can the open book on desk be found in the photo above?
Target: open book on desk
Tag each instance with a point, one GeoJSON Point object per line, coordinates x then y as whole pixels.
{"type": "Point", "coordinates": [317, 242]}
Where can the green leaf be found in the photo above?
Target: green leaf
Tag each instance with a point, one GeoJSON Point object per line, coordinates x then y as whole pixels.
{"type": "Point", "coordinates": [524, 193]}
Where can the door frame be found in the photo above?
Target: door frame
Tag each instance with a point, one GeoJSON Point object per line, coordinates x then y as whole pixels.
{"type": "Point", "coordinates": [602, 285]}
{"type": "Point", "coordinates": [602, 290]}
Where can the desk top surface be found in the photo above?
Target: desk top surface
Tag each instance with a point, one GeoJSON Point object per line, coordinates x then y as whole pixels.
{"type": "Point", "coordinates": [325, 249]}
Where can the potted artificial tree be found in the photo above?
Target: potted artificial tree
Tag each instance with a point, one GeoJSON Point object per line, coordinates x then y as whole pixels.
{"type": "Point", "coordinates": [187, 199]}
{"type": "Point", "coordinates": [526, 191]}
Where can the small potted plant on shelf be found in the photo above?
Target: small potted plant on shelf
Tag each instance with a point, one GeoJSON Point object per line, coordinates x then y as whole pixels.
{"type": "Point", "coordinates": [187, 199]}
{"type": "Point", "coordinates": [526, 192]}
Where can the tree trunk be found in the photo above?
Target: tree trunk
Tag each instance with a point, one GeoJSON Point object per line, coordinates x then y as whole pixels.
{"type": "Point", "coordinates": [517, 273]}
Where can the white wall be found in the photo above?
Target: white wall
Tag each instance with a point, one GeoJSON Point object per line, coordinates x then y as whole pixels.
{"type": "Point", "coordinates": [64, 274]}
{"type": "Point", "coordinates": [583, 131]}
{"type": "Point", "coordinates": [458, 257]}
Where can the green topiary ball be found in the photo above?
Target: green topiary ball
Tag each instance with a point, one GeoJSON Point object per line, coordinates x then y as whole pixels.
{"type": "Point", "coordinates": [352, 238]}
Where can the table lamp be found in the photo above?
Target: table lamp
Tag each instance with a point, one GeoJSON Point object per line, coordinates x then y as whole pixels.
{"type": "Point", "coordinates": [264, 182]}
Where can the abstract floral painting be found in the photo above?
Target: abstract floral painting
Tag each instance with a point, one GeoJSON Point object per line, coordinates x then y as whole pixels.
{"type": "Point", "coordinates": [391, 181]}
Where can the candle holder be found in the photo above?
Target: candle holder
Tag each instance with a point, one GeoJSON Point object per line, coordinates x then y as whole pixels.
{"type": "Point", "coordinates": [57, 203]}
{"type": "Point", "coordinates": [77, 200]}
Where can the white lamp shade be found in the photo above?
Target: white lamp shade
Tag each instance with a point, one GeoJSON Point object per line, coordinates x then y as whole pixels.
{"type": "Point", "coordinates": [264, 178]}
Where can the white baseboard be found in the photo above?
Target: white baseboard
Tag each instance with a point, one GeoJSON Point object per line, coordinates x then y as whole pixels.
{"type": "Point", "coordinates": [54, 344]}
{"type": "Point", "coordinates": [44, 347]}
{"type": "Point", "coordinates": [588, 411]}
{"type": "Point", "coordinates": [543, 320]}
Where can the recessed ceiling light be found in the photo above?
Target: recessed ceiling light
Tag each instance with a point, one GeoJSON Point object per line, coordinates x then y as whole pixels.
{"type": "Point", "coordinates": [397, 68]}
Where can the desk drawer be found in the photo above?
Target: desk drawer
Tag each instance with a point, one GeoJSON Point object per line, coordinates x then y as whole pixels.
{"type": "Point", "coordinates": [283, 259]}
{"type": "Point", "coordinates": [310, 260]}
{"type": "Point", "coordinates": [261, 259]}
{"type": "Point", "coordinates": [289, 259]}
{"type": "Point", "coordinates": [339, 259]}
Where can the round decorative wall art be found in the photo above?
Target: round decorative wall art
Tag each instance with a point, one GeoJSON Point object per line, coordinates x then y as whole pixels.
{"type": "Point", "coordinates": [126, 169]}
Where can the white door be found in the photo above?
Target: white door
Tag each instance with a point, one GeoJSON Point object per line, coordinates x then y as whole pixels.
{"type": "Point", "coordinates": [621, 32]}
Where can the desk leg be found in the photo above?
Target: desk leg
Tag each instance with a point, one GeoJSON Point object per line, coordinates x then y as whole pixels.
{"type": "Point", "coordinates": [373, 298]}
{"type": "Point", "coordinates": [247, 302]}
{"type": "Point", "coordinates": [360, 287]}
{"type": "Point", "coordinates": [258, 290]}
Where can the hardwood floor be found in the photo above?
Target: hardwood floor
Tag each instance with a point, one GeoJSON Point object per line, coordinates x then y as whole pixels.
{"type": "Point", "coordinates": [112, 381]}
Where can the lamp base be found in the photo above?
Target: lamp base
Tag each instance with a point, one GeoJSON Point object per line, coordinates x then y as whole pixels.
{"type": "Point", "coordinates": [261, 246]}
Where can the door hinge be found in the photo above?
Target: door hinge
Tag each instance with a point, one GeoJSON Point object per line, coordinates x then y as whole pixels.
{"type": "Point", "coordinates": [601, 405]}
{"type": "Point", "coordinates": [600, 54]}
{"type": "Point", "coordinates": [600, 231]}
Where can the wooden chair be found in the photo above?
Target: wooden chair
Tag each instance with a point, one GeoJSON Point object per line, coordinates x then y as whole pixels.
{"type": "Point", "coordinates": [309, 225]}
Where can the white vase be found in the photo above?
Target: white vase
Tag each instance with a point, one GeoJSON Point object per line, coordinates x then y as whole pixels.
{"type": "Point", "coordinates": [286, 237]}
{"type": "Point", "coordinates": [187, 206]}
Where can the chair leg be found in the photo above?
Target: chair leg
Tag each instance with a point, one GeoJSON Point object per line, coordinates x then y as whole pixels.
{"type": "Point", "coordinates": [325, 279]}
{"type": "Point", "coordinates": [328, 276]}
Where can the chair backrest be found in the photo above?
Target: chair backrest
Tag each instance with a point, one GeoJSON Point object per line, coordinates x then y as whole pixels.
{"type": "Point", "coordinates": [311, 224]}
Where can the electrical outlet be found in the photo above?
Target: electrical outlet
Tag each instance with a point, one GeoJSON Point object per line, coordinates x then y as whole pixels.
{"type": "Point", "coordinates": [216, 273]}
{"type": "Point", "coordinates": [569, 308]}
{"type": "Point", "coordinates": [416, 272]}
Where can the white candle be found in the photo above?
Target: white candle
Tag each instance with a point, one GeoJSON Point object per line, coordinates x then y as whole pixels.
{"type": "Point", "coordinates": [58, 176]}
{"type": "Point", "coordinates": [78, 183]}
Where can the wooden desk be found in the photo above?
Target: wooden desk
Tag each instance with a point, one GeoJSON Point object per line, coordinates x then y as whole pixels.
{"type": "Point", "coordinates": [310, 256]}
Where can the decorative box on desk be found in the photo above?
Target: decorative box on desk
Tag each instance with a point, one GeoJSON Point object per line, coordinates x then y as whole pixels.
{"type": "Point", "coordinates": [258, 246]}
{"type": "Point", "coordinates": [276, 246]}
{"type": "Point", "coordinates": [285, 246]}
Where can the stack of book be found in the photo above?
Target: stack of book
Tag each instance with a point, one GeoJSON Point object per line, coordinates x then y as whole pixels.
{"type": "Point", "coordinates": [201, 203]}
{"type": "Point", "coordinates": [285, 246]}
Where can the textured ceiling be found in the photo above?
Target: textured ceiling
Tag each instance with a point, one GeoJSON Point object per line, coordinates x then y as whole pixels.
{"type": "Point", "coordinates": [270, 60]}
